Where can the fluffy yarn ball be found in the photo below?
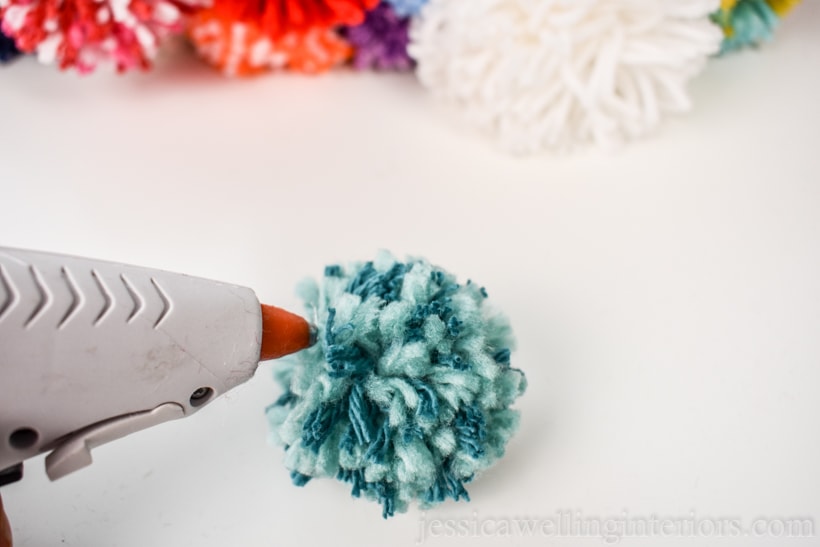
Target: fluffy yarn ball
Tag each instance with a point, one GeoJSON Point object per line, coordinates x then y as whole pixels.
{"type": "Point", "coordinates": [551, 74]}
{"type": "Point", "coordinates": [407, 395]}
{"type": "Point", "coordinates": [750, 22]}
{"type": "Point", "coordinates": [83, 33]}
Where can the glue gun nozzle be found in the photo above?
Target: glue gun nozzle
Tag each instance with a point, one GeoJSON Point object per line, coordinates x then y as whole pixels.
{"type": "Point", "coordinates": [284, 333]}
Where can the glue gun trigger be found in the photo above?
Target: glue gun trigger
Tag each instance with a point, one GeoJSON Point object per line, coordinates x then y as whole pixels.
{"type": "Point", "coordinates": [74, 452]}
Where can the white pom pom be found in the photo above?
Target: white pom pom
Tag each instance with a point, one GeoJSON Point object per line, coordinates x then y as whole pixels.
{"type": "Point", "coordinates": [551, 74]}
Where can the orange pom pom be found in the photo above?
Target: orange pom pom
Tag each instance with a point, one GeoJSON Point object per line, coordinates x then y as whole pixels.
{"type": "Point", "coordinates": [246, 37]}
{"type": "Point", "coordinates": [242, 49]}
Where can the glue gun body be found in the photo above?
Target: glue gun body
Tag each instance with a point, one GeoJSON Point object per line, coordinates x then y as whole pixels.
{"type": "Point", "coordinates": [91, 351]}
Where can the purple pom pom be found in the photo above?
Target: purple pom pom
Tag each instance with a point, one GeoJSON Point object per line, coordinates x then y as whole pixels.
{"type": "Point", "coordinates": [380, 42]}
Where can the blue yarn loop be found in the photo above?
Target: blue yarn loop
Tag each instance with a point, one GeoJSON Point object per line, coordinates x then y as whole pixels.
{"type": "Point", "coordinates": [363, 416]}
{"type": "Point", "coordinates": [471, 430]}
{"type": "Point", "coordinates": [344, 359]}
{"type": "Point", "coordinates": [428, 401]}
{"type": "Point", "coordinates": [299, 479]}
{"type": "Point", "coordinates": [407, 397]}
{"type": "Point", "coordinates": [319, 424]}
{"type": "Point", "coordinates": [286, 399]}
{"type": "Point", "coordinates": [446, 486]}
{"type": "Point", "coordinates": [502, 357]}
{"type": "Point", "coordinates": [371, 282]}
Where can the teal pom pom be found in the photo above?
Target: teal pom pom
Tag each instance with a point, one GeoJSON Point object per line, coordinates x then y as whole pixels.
{"type": "Point", "coordinates": [748, 23]}
{"type": "Point", "coordinates": [407, 394]}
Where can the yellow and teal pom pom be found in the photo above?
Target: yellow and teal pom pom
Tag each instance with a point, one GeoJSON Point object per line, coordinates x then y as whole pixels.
{"type": "Point", "coordinates": [407, 396]}
{"type": "Point", "coordinates": [750, 22]}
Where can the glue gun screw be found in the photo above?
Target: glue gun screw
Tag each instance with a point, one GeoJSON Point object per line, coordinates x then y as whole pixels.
{"type": "Point", "coordinates": [200, 396]}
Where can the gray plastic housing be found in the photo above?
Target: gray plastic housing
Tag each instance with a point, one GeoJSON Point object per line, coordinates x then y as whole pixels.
{"type": "Point", "coordinates": [91, 351]}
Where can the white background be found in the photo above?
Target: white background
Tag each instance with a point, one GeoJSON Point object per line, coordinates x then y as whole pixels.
{"type": "Point", "coordinates": [666, 298]}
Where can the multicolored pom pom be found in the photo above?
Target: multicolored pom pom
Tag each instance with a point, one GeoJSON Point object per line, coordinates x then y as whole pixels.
{"type": "Point", "coordinates": [8, 49]}
{"type": "Point", "coordinates": [407, 396]}
{"type": "Point", "coordinates": [241, 37]}
{"type": "Point", "coordinates": [83, 33]}
{"type": "Point", "coordinates": [381, 40]}
{"type": "Point", "coordinates": [750, 22]}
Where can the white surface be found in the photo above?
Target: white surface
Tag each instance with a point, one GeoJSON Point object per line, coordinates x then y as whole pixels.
{"type": "Point", "coordinates": [666, 300]}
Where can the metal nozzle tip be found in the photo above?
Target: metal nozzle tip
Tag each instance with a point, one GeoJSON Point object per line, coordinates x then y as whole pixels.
{"type": "Point", "coordinates": [314, 334]}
